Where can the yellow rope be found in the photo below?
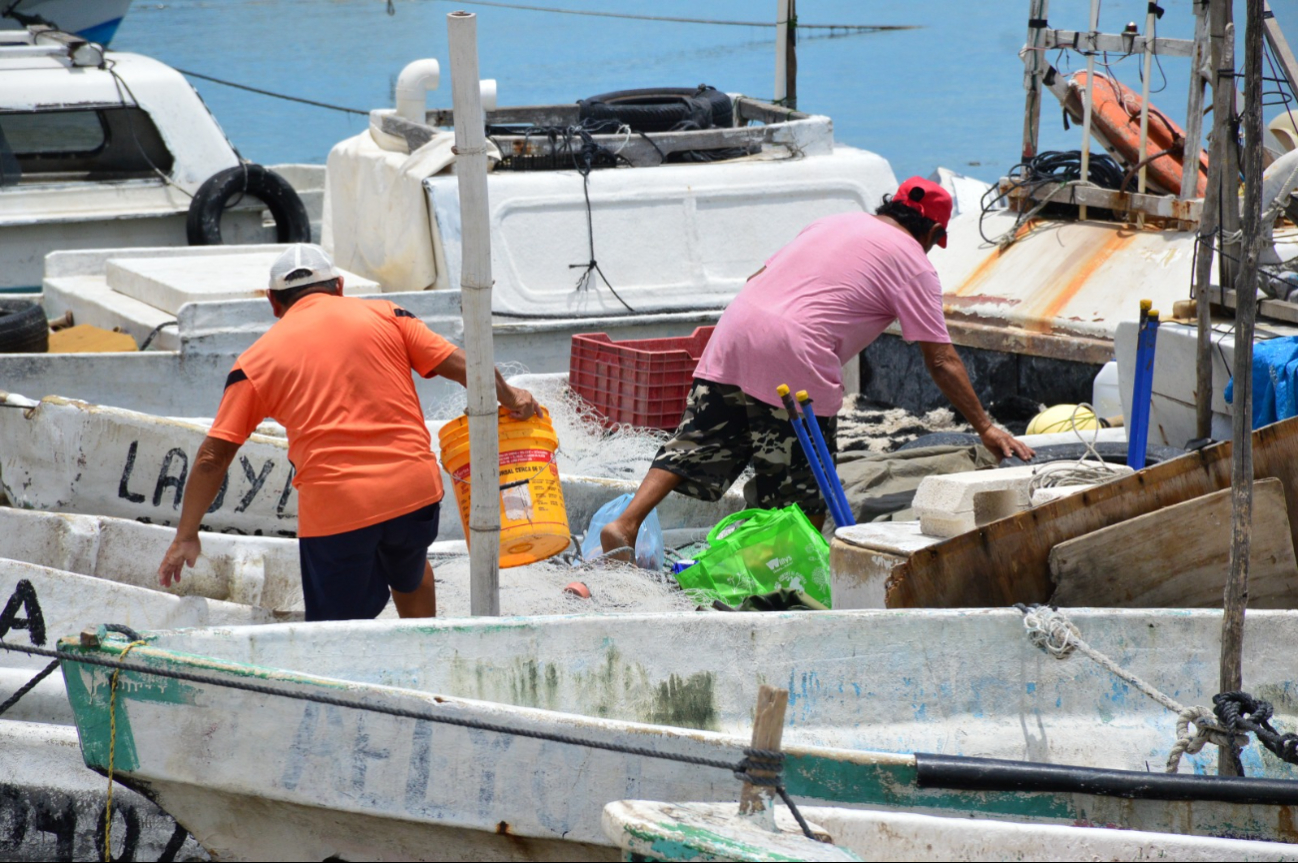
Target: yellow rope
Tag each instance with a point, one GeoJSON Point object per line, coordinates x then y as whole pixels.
{"type": "Point", "coordinates": [112, 752]}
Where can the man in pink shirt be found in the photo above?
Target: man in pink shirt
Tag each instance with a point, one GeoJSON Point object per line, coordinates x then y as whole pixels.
{"type": "Point", "coordinates": [815, 306]}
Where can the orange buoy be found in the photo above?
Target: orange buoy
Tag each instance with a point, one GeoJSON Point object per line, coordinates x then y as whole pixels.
{"type": "Point", "coordinates": [1115, 117]}
{"type": "Point", "coordinates": [577, 589]}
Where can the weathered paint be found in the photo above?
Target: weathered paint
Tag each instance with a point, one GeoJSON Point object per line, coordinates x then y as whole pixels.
{"type": "Point", "coordinates": [72, 456]}
{"type": "Point", "coordinates": [861, 684]}
{"type": "Point", "coordinates": [52, 807]}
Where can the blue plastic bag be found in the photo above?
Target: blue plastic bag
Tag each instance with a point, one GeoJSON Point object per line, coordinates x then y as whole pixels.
{"type": "Point", "coordinates": [649, 545]}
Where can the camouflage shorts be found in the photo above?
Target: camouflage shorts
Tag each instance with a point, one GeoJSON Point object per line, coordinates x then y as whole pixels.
{"type": "Point", "coordinates": [722, 430]}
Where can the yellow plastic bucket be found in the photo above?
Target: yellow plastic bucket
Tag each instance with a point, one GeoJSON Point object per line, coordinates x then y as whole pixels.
{"type": "Point", "coordinates": [533, 520]}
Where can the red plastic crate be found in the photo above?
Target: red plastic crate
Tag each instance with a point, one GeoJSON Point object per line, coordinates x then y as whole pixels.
{"type": "Point", "coordinates": [641, 382]}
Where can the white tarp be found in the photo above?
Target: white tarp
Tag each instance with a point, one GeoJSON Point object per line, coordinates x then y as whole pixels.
{"type": "Point", "coordinates": [376, 219]}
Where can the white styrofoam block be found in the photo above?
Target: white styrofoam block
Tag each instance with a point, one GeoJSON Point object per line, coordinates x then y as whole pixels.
{"type": "Point", "coordinates": [952, 504]}
{"type": "Point", "coordinates": [894, 537]}
{"type": "Point", "coordinates": [169, 283]}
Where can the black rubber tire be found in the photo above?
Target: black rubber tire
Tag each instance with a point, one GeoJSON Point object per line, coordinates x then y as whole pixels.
{"type": "Point", "coordinates": [1113, 452]}
{"type": "Point", "coordinates": [660, 109]}
{"type": "Point", "coordinates": [203, 225]}
{"type": "Point", "coordinates": [26, 331]}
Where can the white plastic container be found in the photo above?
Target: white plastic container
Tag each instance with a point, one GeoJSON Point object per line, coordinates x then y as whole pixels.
{"type": "Point", "coordinates": [1105, 397]}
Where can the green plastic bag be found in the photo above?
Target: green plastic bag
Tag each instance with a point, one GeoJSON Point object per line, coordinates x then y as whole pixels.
{"type": "Point", "coordinates": [772, 549]}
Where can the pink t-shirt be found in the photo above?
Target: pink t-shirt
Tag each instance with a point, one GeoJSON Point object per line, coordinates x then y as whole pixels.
{"type": "Point", "coordinates": [820, 301]}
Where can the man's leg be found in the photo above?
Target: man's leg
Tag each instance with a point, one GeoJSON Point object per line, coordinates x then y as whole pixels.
{"type": "Point", "coordinates": [623, 530]}
{"type": "Point", "coordinates": [784, 474]}
{"type": "Point", "coordinates": [420, 602]}
{"type": "Point", "coordinates": [707, 453]}
{"type": "Point", "coordinates": [402, 558]}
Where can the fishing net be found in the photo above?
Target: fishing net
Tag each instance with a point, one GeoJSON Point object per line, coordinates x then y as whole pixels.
{"type": "Point", "coordinates": [538, 589]}
{"type": "Point", "coordinates": [586, 447]}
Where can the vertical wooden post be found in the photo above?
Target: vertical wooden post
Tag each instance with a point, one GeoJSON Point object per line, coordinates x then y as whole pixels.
{"type": "Point", "coordinates": [1236, 595]}
{"type": "Point", "coordinates": [1224, 133]}
{"type": "Point", "coordinates": [768, 730]}
{"type": "Point", "coordinates": [1086, 106]}
{"type": "Point", "coordinates": [791, 58]}
{"type": "Point", "coordinates": [1034, 72]}
{"type": "Point", "coordinates": [783, 10]}
{"type": "Point", "coordinates": [1208, 222]}
{"type": "Point", "coordinates": [475, 302]}
{"type": "Point", "coordinates": [1194, 103]}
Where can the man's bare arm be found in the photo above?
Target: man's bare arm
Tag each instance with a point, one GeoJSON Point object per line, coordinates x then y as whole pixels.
{"type": "Point", "coordinates": [202, 486]}
{"type": "Point", "coordinates": [519, 401]}
{"type": "Point", "coordinates": [951, 377]}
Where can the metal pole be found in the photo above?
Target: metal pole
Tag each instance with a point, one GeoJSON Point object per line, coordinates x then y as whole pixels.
{"type": "Point", "coordinates": [1034, 72]}
{"type": "Point", "coordinates": [1236, 594]}
{"type": "Point", "coordinates": [475, 301]}
{"type": "Point", "coordinates": [1086, 107]}
{"type": "Point", "coordinates": [1150, 18]}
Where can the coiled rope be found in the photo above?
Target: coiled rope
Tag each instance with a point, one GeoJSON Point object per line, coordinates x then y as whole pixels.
{"type": "Point", "coordinates": [754, 759]}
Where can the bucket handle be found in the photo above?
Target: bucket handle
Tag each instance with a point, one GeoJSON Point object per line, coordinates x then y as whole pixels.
{"type": "Point", "coordinates": [516, 483]}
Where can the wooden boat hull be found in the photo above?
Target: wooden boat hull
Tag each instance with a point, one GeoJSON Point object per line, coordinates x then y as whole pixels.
{"type": "Point", "coordinates": [336, 780]}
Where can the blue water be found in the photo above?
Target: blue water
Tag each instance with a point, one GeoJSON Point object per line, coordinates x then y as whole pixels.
{"type": "Point", "coordinates": [947, 94]}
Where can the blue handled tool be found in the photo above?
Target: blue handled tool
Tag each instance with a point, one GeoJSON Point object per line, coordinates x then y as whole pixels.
{"type": "Point", "coordinates": [821, 481]}
{"type": "Point", "coordinates": [1142, 388]}
{"type": "Point", "coordinates": [826, 461]}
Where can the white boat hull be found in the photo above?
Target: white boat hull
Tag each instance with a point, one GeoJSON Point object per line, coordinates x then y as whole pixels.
{"type": "Point", "coordinates": [954, 682]}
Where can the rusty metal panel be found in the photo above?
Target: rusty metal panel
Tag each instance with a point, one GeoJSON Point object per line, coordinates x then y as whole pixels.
{"type": "Point", "coordinates": [1059, 279]}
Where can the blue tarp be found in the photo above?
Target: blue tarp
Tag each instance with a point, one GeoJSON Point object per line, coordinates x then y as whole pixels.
{"type": "Point", "coordinates": [1275, 381]}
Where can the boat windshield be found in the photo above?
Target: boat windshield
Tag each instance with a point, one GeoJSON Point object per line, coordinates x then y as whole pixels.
{"type": "Point", "coordinates": [83, 144]}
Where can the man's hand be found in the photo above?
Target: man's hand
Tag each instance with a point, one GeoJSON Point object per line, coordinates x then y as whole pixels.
{"type": "Point", "coordinates": [182, 551]}
{"type": "Point", "coordinates": [520, 403]}
{"type": "Point", "coordinates": [1004, 445]}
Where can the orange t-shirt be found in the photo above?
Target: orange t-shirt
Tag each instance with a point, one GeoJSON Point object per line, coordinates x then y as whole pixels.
{"type": "Point", "coordinates": [335, 372]}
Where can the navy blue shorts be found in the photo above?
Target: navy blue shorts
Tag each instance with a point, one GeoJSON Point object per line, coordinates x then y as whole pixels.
{"type": "Point", "coordinates": [347, 576]}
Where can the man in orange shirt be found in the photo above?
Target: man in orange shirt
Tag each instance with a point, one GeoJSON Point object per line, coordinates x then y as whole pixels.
{"type": "Point", "coordinates": [335, 372]}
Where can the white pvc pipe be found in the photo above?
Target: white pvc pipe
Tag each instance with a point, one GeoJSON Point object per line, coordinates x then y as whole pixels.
{"type": "Point", "coordinates": [487, 87]}
{"type": "Point", "coordinates": [413, 86]}
{"type": "Point", "coordinates": [475, 284]}
{"type": "Point", "coordinates": [1144, 101]}
{"type": "Point", "coordinates": [781, 50]}
{"type": "Point", "coordinates": [1086, 106]}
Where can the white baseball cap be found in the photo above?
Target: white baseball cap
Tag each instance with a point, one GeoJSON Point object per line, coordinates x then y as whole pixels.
{"type": "Point", "coordinates": [301, 264]}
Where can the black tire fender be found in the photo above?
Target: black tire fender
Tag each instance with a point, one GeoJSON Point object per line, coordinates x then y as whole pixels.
{"type": "Point", "coordinates": [203, 224]}
{"type": "Point", "coordinates": [26, 331]}
{"type": "Point", "coordinates": [659, 109]}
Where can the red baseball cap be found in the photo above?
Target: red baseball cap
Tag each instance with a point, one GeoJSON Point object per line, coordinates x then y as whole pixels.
{"type": "Point", "coordinates": [931, 200]}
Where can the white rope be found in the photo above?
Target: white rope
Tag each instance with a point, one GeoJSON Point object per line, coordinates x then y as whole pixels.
{"type": "Point", "coordinates": [1053, 632]}
{"type": "Point", "coordinates": [1059, 474]}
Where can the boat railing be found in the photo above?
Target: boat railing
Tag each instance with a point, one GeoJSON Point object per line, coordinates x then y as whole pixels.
{"type": "Point", "coordinates": [761, 129]}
